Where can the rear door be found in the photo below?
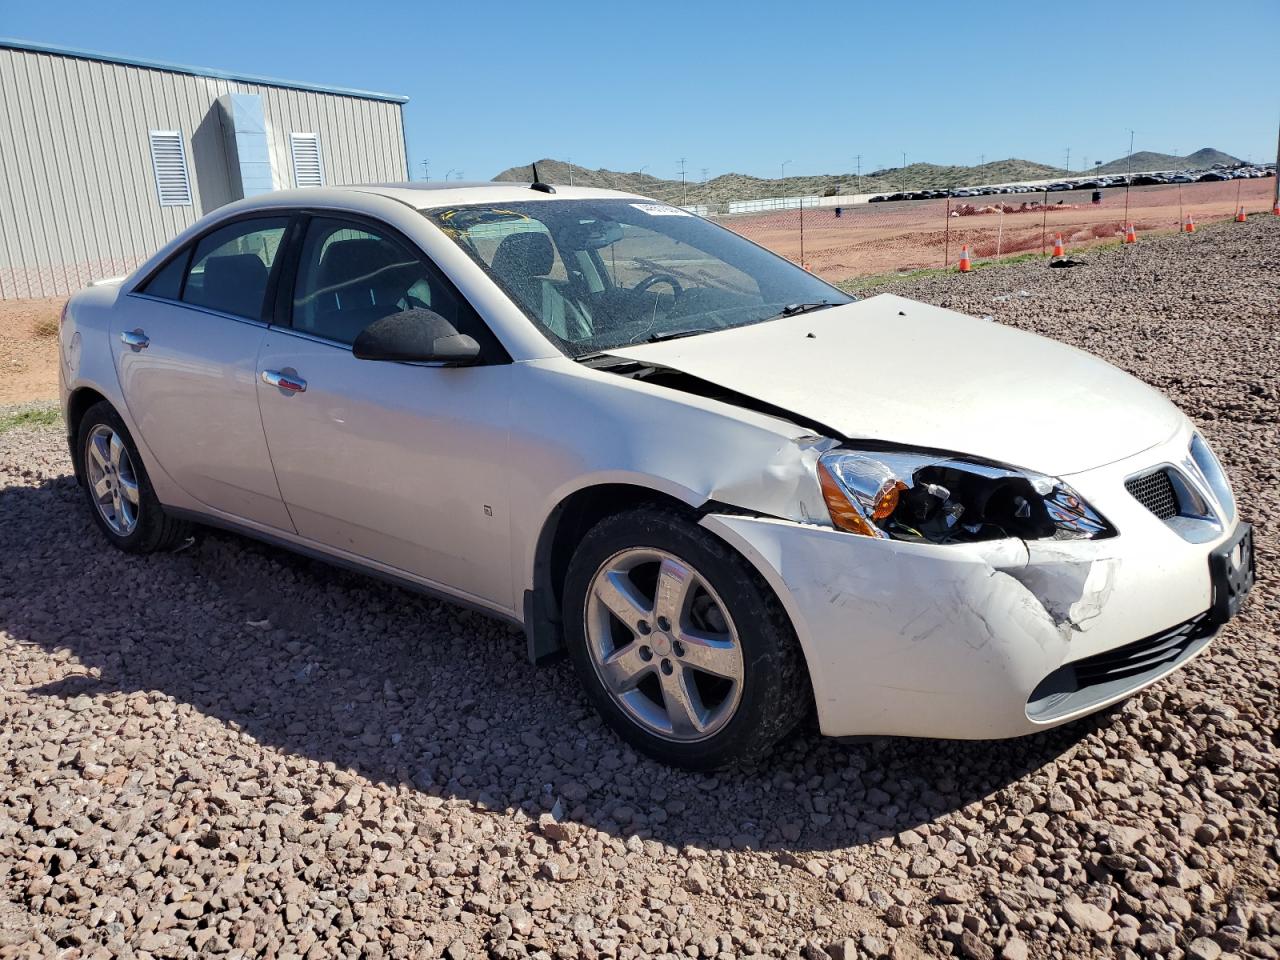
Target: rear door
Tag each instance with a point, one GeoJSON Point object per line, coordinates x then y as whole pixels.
{"type": "Point", "coordinates": [186, 347]}
{"type": "Point", "coordinates": [399, 463]}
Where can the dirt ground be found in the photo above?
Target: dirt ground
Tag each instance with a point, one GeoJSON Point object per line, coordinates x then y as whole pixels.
{"type": "Point", "coordinates": [29, 349]}
{"type": "Point", "coordinates": [882, 237]}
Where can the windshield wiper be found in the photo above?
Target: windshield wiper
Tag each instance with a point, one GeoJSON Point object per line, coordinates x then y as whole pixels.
{"type": "Point", "coordinates": [603, 358]}
{"type": "Point", "coordinates": [677, 334]}
{"type": "Point", "coordinates": [792, 309]}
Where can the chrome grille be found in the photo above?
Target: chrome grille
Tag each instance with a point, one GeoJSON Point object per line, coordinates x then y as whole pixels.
{"type": "Point", "coordinates": [1155, 492]}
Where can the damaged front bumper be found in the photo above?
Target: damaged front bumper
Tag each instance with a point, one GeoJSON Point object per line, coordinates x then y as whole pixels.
{"type": "Point", "coordinates": [993, 639]}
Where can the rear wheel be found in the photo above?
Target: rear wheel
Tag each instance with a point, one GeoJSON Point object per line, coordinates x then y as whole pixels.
{"type": "Point", "coordinates": [118, 489]}
{"type": "Point", "coordinates": [682, 648]}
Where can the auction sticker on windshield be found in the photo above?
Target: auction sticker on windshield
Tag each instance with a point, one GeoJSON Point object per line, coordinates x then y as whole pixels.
{"type": "Point", "coordinates": [661, 210]}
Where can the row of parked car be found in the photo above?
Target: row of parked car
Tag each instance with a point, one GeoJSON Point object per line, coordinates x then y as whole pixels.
{"type": "Point", "coordinates": [1090, 183]}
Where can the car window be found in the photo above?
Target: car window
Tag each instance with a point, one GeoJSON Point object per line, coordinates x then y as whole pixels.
{"type": "Point", "coordinates": [167, 281]}
{"type": "Point", "coordinates": [639, 253]}
{"type": "Point", "coordinates": [349, 276]}
{"type": "Point", "coordinates": [231, 266]}
{"type": "Point", "coordinates": [486, 240]}
{"type": "Point", "coordinates": [603, 273]}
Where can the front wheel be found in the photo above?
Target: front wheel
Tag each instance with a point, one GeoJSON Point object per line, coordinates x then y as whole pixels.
{"type": "Point", "coordinates": [680, 645]}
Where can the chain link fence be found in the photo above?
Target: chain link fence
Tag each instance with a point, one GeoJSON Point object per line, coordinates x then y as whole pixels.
{"type": "Point", "coordinates": [844, 242]}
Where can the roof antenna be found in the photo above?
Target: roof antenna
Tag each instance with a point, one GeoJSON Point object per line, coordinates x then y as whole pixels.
{"type": "Point", "coordinates": [538, 184]}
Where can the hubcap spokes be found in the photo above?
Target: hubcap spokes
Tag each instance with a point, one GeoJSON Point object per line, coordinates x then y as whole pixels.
{"type": "Point", "coordinates": [112, 479]}
{"type": "Point", "coordinates": [663, 644]}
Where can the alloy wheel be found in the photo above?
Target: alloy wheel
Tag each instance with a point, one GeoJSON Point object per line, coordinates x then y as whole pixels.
{"type": "Point", "coordinates": [663, 644]}
{"type": "Point", "coordinates": [113, 480]}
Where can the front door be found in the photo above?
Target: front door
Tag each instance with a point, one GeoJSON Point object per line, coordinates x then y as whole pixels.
{"type": "Point", "coordinates": [186, 349]}
{"type": "Point", "coordinates": [399, 463]}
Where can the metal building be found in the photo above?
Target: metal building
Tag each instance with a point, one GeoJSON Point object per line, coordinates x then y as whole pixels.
{"type": "Point", "coordinates": [105, 158]}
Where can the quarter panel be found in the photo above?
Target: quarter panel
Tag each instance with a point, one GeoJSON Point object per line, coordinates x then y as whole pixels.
{"type": "Point", "coordinates": [86, 362]}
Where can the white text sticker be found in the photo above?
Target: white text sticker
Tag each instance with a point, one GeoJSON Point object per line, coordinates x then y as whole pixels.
{"type": "Point", "coordinates": [661, 210]}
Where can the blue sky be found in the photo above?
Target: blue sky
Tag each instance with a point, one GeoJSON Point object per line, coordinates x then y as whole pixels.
{"type": "Point", "coordinates": [739, 86]}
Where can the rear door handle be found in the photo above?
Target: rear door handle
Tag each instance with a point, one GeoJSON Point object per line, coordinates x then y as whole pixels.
{"type": "Point", "coordinates": [285, 381]}
{"type": "Point", "coordinates": [136, 339]}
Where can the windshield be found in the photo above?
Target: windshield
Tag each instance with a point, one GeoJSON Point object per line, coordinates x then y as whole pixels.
{"type": "Point", "coordinates": [601, 274]}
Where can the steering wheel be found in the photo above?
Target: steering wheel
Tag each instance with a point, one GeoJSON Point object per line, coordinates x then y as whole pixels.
{"type": "Point", "coordinates": [649, 281]}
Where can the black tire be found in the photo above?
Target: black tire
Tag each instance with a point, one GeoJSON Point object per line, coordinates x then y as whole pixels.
{"type": "Point", "coordinates": [776, 694]}
{"type": "Point", "coordinates": [155, 530]}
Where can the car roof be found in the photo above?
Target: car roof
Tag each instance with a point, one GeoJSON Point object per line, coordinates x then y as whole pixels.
{"type": "Point", "coordinates": [422, 195]}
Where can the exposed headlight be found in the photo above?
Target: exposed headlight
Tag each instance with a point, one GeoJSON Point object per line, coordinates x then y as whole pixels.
{"type": "Point", "coordinates": [940, 499]}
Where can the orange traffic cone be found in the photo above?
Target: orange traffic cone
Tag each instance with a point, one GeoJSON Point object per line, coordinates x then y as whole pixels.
{"type": "Point", "coordinates": [1057, 246]}
{"type": "Point", "coordinates": [965, 265]}
{"type": "Point", "coordinates": [1240, 217]}
{"type": "Point", "coordinates": [1129, 235]}
{"type": "Point", "coordinates": [1190, 225]}
{"type": "Point", "coordinates": [1276, 209]}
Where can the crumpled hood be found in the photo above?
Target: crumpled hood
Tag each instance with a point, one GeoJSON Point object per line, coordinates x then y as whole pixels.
{"type": "Point", "coordinates": [895, 370]}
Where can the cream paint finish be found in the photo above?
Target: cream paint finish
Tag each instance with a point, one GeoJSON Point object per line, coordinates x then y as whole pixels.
{"type": "Point", "coordinates": [892, 369]}
{"type": "Point", "coordinates": [401, 463]}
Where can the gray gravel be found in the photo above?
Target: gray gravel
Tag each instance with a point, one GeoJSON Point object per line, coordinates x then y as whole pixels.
{"type": "Point", "coordinates": [234, 751]}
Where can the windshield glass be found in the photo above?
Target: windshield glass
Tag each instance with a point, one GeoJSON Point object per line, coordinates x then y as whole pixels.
{"type": "Point", "coordinates": [602, 274]}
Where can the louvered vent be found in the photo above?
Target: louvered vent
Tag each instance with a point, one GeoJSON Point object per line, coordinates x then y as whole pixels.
{"type": "Point", "coordinates": [169, 162]}
{"type": "Point", "coordinates": [308, 171]}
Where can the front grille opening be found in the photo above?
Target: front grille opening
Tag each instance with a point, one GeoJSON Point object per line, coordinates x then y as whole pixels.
{"type": "Point", "coordinates": [1104, 676]}
{"type": "Point", "coordinates": [1155, 492]}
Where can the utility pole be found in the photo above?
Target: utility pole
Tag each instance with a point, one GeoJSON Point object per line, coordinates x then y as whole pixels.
{"type": "Point", "coordinates": [426, 171]}
{"type": "Point", "coordinates": [1068, 167]}
{"type": "Point", "coordinates": [569, 161]}
{"type": "Point", "coordinates": [705, 171]}
{"type": "Point", "coordinates": [858, 161]}
{"type": "Point", "coordinates": [784, 169]}
{"type": "Point", "coordinates": [982, 159]}
{"type": "Point", "coordinates": [683, 191]}
{"type": "Point", "coordinates": [1128, 179]}
{"type": "Point", "coordinates": [904, 171]}
{"type": "Point", "coordinates": [1275, 191]}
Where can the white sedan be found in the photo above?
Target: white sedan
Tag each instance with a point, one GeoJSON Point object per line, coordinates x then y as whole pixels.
{"type": "Point", "coordinates": [732, 493]}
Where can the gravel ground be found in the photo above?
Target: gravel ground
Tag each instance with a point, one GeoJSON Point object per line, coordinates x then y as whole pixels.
{"type": "Point", "coordinates": [234, 751]}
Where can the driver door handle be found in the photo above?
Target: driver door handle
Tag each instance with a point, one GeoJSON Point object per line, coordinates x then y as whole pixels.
{"type": "Point", "coordinates": [284, 381]}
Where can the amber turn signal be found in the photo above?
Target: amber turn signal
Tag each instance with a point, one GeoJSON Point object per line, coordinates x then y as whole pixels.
{"type": "Point", "coordinates": [846, 516]}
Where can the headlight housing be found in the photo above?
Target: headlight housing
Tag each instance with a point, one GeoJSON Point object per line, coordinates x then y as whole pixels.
{"type": "Point", "coordinates": [935, 498]}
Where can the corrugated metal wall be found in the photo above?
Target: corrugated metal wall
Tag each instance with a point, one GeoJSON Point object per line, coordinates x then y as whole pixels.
{"type": "Point", "coordinates": [77, 193]}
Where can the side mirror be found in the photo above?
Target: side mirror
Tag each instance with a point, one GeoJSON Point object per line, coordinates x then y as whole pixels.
{"type": "Point", "coordinates": [421, 335]}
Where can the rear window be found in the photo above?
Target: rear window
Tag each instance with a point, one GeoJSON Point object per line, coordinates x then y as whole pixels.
{"type": "Point", "coordinates": [166, 283]}
{"type": "Point", "coordinates": [231, 266]}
